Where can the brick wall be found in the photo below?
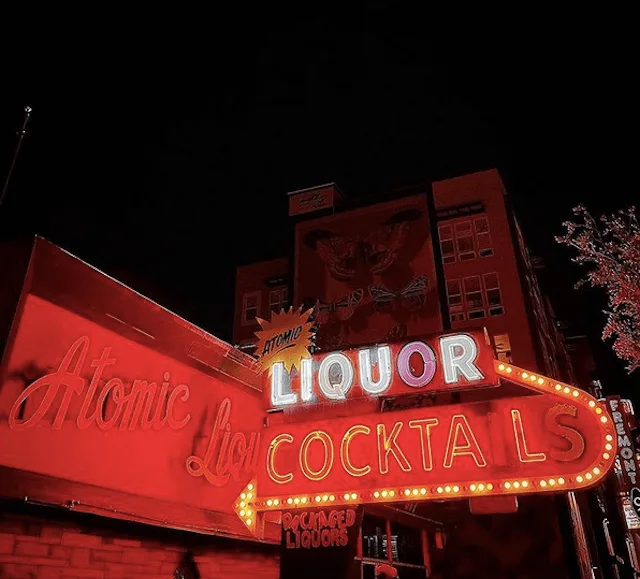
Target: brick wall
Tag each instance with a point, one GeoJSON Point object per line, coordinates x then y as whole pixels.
{"type": "Point", "coordinates": [53, 545]}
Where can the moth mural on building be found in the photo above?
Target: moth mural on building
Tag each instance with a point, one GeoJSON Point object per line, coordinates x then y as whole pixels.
{"type": "Point", "coordinates": [369, 273]}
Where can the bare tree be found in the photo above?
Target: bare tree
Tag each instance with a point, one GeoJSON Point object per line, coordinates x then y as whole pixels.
{"type": "Point", "coordinates": [610, 247]}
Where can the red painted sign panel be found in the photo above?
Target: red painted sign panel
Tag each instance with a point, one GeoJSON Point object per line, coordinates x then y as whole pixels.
{"type": "Point", "coordinates": [83, 404]}
{"type": "Point", "coordinates": [445, 362]}
{"type": "Point", "coordinates": [526, 444]}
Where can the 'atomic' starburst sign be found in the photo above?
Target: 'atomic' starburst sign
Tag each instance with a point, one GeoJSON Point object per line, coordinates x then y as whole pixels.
{"type": "Point", "coordinates": [286, 338]}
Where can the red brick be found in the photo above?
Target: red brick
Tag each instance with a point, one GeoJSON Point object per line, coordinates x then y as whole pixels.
{"type": "Point", "coordinates": [80, 539]}
{"type": "Point", "coordinates": [116, 570]}
{"type": "Point", "coordinates": [34, 529]}
{"type": "Point", "coordinates": [103, 555]}
{"type": "Point", "coordinates": [80, 557]}
{"type": "Point", "coordinates": [172, 556]}
{"type": "Point", "coordinates": [33, 549]}
{"type": "Point", "coordinates": [45, 561]}
{"type": "Point", "coordinates": [135, 556]}
{"type": "Point", "coordinates": [127, 542]}
{"type": "Point", "coordinates": [168, 568]}
{"type": "Point", "coordinates": [58, 552]}
{"type": "Point", "coordinates": [159, 556]}
{"type": "Point", "coordinates": [107, 547]}
{"type": "Point", "coordinates": [49, 573]}
{"type": "Point", "coordinates": [50, 534]}
{"type": "Point", "coordinates": [208, 570]}
{"type": "Point", "coordinates": [28, 538]}
{"type": "Point", "coordinates": [153, 545]}
{"type": "Point", "coordinates": [88, 573]}
{"type": "Point", "coordinates": [6, 543]}
{"type": "Point", "coordinates": [13, 571]}
{"type": "Point", "coordinates": [13, 526]}
{"type": "Point", "coordinates": [120, 571]}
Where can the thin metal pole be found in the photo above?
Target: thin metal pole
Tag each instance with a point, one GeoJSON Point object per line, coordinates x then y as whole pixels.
{"type": "Point", "coordinates": [582, 546]}
{"type": "Point", "coordinates": [21, 134]}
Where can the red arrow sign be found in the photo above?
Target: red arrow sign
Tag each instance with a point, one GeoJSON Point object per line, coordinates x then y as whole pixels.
{"type": "Point", "coordinates": [558, 440]}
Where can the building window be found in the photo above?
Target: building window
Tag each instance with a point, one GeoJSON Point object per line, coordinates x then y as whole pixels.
{"type": "Point", "coordinates": [384, 541]}
{"type": "Point", "coordinates": [454, 296]}
{"type": "Point", "coordinates": [374, 538]}
{"type": "Point", "coordinates": [446, 244]}
{"type": "Point", "coordinates": [250, 307]}
{"type": "Point", "coordinates": [278, 299]}
{"type": "Point", "coordinates": [475, 298]}
{"type": "Point", "coordinates": [494, 297]}
{"type": "Point", "coordinates": [465, 240]}
{"type": "Point", "coordinates": [406, 544]}
{"type": "Point", "coordinates": [483, 236]}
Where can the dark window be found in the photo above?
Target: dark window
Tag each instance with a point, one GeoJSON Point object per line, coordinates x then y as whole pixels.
{"type": "Point", "coordinates": [447, 244]}
{"type": "Point", "coordinates": [278, 299]}
{"type": "Point", "coordinates": [465, 240]}
{"type": "Point", "coordinates": [483, 237]}
{"type": "Point", "coordinates": [374, 538]}
{"type": "Point", "coordinates": [250, 307]}
{"type": "Point", "coordinates": [406, 544]}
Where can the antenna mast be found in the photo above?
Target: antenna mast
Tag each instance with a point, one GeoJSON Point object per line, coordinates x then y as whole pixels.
{"type": "Point", "coordinates": [21, 134]}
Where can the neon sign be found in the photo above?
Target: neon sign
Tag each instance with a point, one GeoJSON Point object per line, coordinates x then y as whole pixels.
{"type": "Point", "coordinates": [629, 466]}
{"type": "Point", "coordinates": [559, 440]}
{"type": "Point", "coordinates": [76, 393]}
{"type": "Point", "coordinates": [446, 362]}
{"type": "Point", "coordinates": [143, 405]}
{"type": "Point", "coordinates": [626, 450]}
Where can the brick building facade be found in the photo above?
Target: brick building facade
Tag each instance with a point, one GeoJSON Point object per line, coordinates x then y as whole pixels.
{"type": "Point", "coordinates": [449, 256]}
{"type": "Point", "coordinates": [38, 542]}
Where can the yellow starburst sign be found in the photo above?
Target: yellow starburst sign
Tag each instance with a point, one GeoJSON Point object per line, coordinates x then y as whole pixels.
{"type": "Point", "coordinates": [285, 338]}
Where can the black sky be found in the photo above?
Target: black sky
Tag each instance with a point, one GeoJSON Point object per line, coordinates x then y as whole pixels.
{"type": "Point", "coordinates": [162, 153]}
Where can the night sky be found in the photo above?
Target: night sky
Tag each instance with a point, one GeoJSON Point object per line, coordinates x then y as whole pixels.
{"type": "Point", "coordinates": [163, 154]}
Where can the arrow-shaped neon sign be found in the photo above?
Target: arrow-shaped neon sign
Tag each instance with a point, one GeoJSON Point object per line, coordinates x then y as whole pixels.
{"type": "Point", "coordinates": [559, 440]}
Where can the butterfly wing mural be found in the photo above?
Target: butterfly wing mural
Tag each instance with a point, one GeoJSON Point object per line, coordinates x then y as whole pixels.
{"type": "Point", "coordinates": [340, 310]}
{"type": "Point", "coordinates": [412, 297]}
{"type": "Point", "coordinates": [373, 252]}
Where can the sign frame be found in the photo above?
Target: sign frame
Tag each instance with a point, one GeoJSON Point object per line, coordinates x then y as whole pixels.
{"type": "Point", "coordinates": [250, 504]}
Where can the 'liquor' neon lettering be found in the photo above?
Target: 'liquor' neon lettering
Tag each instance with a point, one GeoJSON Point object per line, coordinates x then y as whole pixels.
{"type": "Point", "coordinates": [377, 371]}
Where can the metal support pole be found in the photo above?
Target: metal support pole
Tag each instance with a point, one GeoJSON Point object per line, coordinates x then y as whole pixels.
{"type": "Point", "coordinates": [582, 547]}
{"type": "Point", "coordinates": [21, 134]}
